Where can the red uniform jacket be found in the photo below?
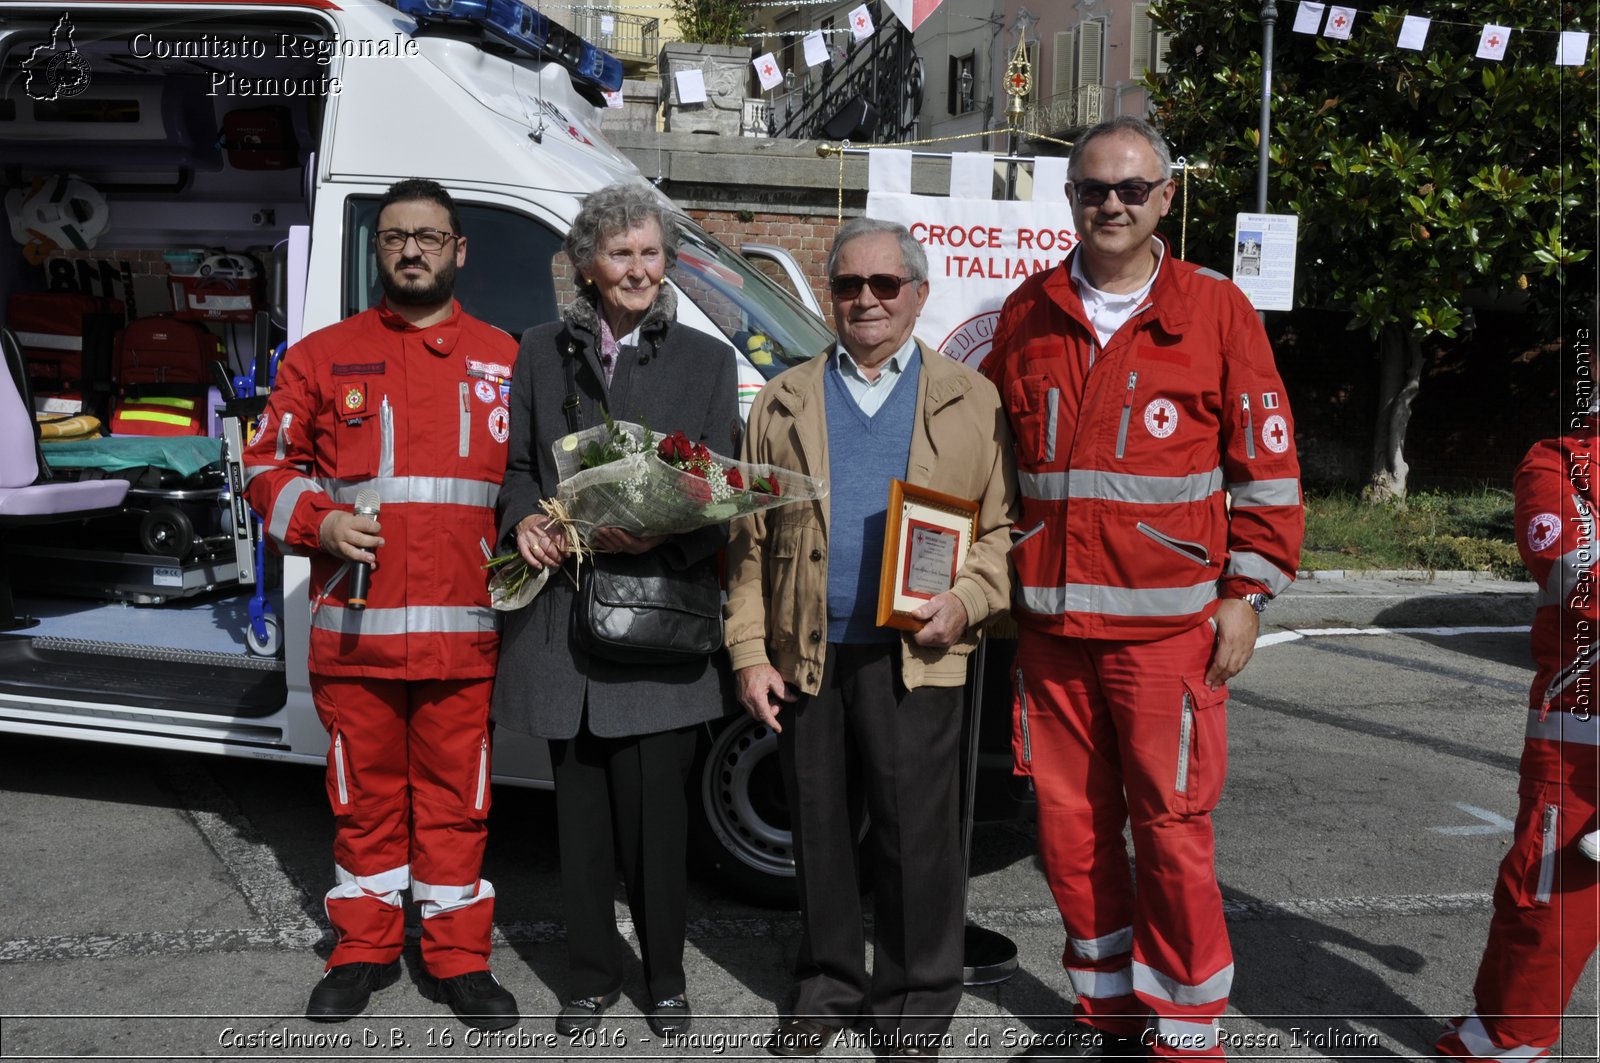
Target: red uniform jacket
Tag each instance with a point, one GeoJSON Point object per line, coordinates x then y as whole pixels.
{"type": "Point", "coordinates": [1125, 455]}
{"type": "Point", "coordinates": [1555, 491]}
{"type": "Point", "coordinates": [421, 416]}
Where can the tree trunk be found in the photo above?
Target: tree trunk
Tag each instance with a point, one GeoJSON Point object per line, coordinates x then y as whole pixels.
{"type": "Point", "coordinates": [1399, 380]}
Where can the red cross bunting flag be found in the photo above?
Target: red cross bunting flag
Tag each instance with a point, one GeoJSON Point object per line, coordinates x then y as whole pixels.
{"type": "Point", "coordinates": [767, 70]}
{"type": "Point", "coordinates": [1492, 42]}
{"type": "Point", "coordinates": [1340, 22]}
{"type": "Point", "coordinates": [1308, 17]}
{"type": "Point", "coordinates": [912, 12]}
{"type": "Point", "coordinates": [1571, 49]}
{"type": "Point", "coordinates": [1413, 33]}
{"type": "Point", "coordinates": [861, 23]}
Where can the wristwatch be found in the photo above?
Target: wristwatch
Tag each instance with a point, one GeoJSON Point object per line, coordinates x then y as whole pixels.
{"type": "Point", "coordinates": [1258, 601]}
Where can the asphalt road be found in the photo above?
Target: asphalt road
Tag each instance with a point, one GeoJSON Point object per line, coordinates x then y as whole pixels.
{"type": "Point", "coordinates": [159, 906]}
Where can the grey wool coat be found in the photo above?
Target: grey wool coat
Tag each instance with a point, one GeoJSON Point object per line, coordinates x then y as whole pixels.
{"type": "Point", "coordinates": [677, 379]}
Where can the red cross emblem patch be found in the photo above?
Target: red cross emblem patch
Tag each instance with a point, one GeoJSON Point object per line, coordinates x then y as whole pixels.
{"type": "Point", "coordinates": [355, 399]}
{"type": "Point", "coordinates": [1543, 530]}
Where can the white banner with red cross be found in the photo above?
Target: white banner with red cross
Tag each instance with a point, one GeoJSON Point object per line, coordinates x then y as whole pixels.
{"type": "Point", "coordinates": [979, 248]}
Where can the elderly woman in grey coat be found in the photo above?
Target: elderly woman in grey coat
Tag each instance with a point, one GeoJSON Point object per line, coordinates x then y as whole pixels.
{"type": "Point", "coordinates": [621, 736]}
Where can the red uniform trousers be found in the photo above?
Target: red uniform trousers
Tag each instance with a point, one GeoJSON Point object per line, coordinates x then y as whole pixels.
{"type": "Point", "coordinates": [1113, 731]}
{"type": "Point", "coordinates": [1546, 916]}
{"type": "Point", "coordinates": [408, 778]}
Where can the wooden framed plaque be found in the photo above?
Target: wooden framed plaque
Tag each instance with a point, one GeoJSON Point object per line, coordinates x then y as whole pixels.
{"type": "Point", "coordinates": [925, 543]}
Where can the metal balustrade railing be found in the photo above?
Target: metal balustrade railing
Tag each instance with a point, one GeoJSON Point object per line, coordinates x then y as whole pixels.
{"type": "Point", "coordinates": [875, 91]}
{"type": "Point", "coordinates": [633, 38]}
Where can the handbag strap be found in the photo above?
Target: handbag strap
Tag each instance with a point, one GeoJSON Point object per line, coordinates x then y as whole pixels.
{"type": "Point", "coordinates": [572, 405]}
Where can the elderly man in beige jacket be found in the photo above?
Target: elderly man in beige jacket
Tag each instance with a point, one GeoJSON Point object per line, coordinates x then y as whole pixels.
{"type": "Point", "coordinates": [860, 708]}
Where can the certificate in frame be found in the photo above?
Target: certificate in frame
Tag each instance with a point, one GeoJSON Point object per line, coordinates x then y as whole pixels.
{"type": "Point", "coordinates": [925, 543]}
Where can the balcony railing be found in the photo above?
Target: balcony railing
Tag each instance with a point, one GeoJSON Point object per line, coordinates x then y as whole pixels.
{"type": "Point", "coordinates": [633, 38]}
{"type": "Point", "coordinates": [1083, 106]}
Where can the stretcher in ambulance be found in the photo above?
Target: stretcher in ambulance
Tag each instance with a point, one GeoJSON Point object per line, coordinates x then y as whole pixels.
{"type": "Point", "coordinates": [219, 165]}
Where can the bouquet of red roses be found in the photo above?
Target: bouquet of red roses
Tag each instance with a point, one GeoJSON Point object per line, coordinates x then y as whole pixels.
{"type": "Point", "coordinates": [619, 475]}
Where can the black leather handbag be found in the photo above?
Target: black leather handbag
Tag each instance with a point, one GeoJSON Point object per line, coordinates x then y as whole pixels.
{"type": "Point", "coordinates": [635, 609]}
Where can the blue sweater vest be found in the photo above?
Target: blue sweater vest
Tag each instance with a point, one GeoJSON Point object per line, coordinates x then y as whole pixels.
{"type": "Point", "coordinates": [864, 454]}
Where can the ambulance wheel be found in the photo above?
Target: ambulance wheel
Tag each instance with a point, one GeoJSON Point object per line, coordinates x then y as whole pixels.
{"type": "Point", "coordinates": [167, 532]}
{"type": "Point", "coordinates": [265, 647]}
{"type": "Point", "coordinates": [741, 832]}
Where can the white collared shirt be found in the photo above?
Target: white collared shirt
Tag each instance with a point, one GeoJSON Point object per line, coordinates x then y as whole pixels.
{"type": "Point", "coordinates": [870, 395]}
{"type": "Point", "coordinates": [1108, 311]}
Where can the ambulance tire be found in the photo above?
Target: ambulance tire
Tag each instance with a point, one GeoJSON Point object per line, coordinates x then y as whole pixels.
{"type": "Point", "coordinates": [167, 531]}
{"type": "Point", "coordinates": [739, 816]}
{"type": "Point", "coordinates": [272, 644]}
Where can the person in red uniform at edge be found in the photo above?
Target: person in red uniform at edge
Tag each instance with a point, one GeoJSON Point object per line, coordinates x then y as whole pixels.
{"type": "Point", "coordinates": [1143, 397]}
{"type": "Point", "coordinates": [1546, 898]}
{"type": "Point", "coordinates": [404, 399]}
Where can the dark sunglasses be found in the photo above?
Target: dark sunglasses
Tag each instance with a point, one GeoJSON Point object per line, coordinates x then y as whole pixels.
{"type": "Point", "coordinates": [884, 285]}
{"type": "Point", "coordinates": [1130, 193]}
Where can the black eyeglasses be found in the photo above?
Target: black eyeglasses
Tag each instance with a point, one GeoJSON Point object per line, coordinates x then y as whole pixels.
{"type": "Point", "coordinates": [884, 285]}
{"type": "Point", "coordinates": [1131, 193]}
{"type": "Point", "coordinates": [430, 240]}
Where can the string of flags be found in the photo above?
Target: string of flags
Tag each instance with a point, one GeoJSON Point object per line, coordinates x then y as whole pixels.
{"type": "Point", "coordinates": [1572, 46]}
{"type": "Point", "coordinates": [815, 49]}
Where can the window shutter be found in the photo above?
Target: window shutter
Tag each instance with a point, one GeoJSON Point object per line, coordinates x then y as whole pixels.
{"type": "Point", "coordinates": [1163, 42]}
{"type": "Point", "coordinates": [953, 86]}
{"type": "Point", "coordinates": [1062, 71]}
{"type": "Point", "coordinates": [1091, 36]}
{"type": "Point", "coordinates": [1139, 42]}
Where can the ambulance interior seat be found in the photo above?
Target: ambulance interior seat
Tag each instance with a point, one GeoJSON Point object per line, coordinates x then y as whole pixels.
{"type": "Point", "coordinates": [27, 494]}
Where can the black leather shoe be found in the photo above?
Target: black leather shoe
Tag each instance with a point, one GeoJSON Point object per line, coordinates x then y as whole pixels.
{"type": "Point", "coordinates": [670, 1017]}
{"type": "Point", "coordinates": [1082, 1041]}
{"type": "Point", "coordinates": [800, 1037]}
{"type": "Point", "coordinates": [477, 998]}
{"type": "Point", "coordinates": [344, 990]}
{"type": "Point", "coordinates": [583, 1013]}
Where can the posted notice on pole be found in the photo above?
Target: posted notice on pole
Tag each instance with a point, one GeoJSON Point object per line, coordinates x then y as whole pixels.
{"type": "Point", "coordinates": [1263, 258]}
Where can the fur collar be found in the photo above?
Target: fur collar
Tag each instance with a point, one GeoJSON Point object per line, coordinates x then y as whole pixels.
{"type": "Point", "coordinates": [583, 313]}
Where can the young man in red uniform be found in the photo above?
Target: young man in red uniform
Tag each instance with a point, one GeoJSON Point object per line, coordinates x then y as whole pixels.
{"type": "Point", "coordinates": [1546, 899]}
{"type": "Point", "coordinates": [1143, 397]}
{"type": "Point", "coordinates": [403, 400]}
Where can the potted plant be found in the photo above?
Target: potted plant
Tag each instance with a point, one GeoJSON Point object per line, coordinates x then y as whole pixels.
{"type": "Point", "coordinates": [711, 40]}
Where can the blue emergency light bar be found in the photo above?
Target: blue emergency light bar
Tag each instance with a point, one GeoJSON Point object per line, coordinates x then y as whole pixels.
{"type": "Point", "coordinates": [525, 30]}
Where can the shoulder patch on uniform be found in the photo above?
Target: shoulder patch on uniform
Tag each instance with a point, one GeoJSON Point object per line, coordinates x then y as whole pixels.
{"type": "Point", "coordinates": [1543, 530]}
{"type": "Point", "coordinates": [1207, 271]}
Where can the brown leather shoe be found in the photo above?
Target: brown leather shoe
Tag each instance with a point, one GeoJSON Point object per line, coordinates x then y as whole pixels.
{"type": "Point", "coordinates": [800, 1037]}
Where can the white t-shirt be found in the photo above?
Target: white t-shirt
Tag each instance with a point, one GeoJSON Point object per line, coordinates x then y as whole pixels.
{"type": "Point", "coordinates": [1108, 311]}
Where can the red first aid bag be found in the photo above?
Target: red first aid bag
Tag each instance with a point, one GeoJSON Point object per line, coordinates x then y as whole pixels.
{"type": "Point", "coordinates": [49, 326]}
{"type": "Point", "coordinates": [165, 350]}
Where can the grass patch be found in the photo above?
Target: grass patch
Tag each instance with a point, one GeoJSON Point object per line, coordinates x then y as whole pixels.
{"type": "Point", "coordinates": [1434, 530]}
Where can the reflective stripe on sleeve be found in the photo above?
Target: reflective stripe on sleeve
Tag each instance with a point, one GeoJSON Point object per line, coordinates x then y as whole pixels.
{"type": "Point", "coordinates": [431, 490]}
{"type": "Point", "coordinates": [283, 506]}
{"type": "Point", "coordinates": [1153, 983]}
{"type": "Point", "coordinates": [410, 620]}
{"type": "Point", "coordinates": [1118, 601]}
{"type": "Point", "coordinates": [1252, 493]}
{"type": "Point", "coordinates": [1256, 567]}
{"type": "Point", "coordinates": [1119, 486]}
{"type": "Point", "coordinates": [1101, 985]}
{"type": "Point", "coordinates": [1112, 944]}
{"type": "Point", "coordinates": [1565, 727]}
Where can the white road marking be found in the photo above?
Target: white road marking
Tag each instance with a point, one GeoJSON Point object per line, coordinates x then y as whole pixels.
{"type": "Point", "coordinates": [1293, 634]}
{"type": "Point", "coordinates": [1492, 823]}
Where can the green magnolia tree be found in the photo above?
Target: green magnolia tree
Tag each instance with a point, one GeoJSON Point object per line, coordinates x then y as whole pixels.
{"type": "Point", "coordinates": [1424, 181]}
{"type": "Point", "coordinates": [710, 21]}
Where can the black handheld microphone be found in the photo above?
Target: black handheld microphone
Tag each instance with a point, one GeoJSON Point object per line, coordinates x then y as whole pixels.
{"type": "Point", "coordinates": [367, 501]}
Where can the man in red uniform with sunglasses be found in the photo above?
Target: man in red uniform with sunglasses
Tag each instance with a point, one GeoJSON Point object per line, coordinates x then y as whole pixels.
{"type": "Point", "coordinates": [1143, 400]}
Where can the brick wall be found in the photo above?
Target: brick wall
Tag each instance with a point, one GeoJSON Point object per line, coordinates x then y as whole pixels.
{"type": "Point", "coordinates": [806, 236]}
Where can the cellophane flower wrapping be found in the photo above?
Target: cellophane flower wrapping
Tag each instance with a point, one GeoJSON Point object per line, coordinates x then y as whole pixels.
{"type": "Point", "coordinates": [642, 494]}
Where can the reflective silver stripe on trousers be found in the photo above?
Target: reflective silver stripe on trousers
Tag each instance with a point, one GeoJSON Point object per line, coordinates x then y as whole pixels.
{"type": "Point", "coordinates": [1188, 1036]}
{"type": "Point", "coordinates": [1119, 486]}
{"type": "Point", "coordinates": [1249, 563]}
{"type": "Point", "coordinates": [1475, 1039]}
{"type": "Point", "coordinates": [1153, 983]}
{"type": "Point", "coordinates": [1112, 944]}
{"type": "Point", "coordinates": [1564, 727]}
{"type": "Point", "coordinates": [430, 490]}
{"type": "Point", "coordinates": [1118, 601]}
{"type": "Point", "coordinates": [1251, 493]}
{"type": "Point", "coordinates": [412, 619]}
{"type": "Point", "coordinates": [437, 900]}
{"type": "Point", "coordinates": [283, 505]}
{"type": "Point", "coordinates": [383, 887]}
{"type": "Point", "coordinates": [1101, 985]}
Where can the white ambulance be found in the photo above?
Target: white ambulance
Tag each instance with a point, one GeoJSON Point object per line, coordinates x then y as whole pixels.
{"type": "Point", "coordinates": [221, 163]}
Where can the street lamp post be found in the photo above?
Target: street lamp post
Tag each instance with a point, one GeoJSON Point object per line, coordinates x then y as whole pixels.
{"type": "Point", "coordinates": [1269, 19]}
